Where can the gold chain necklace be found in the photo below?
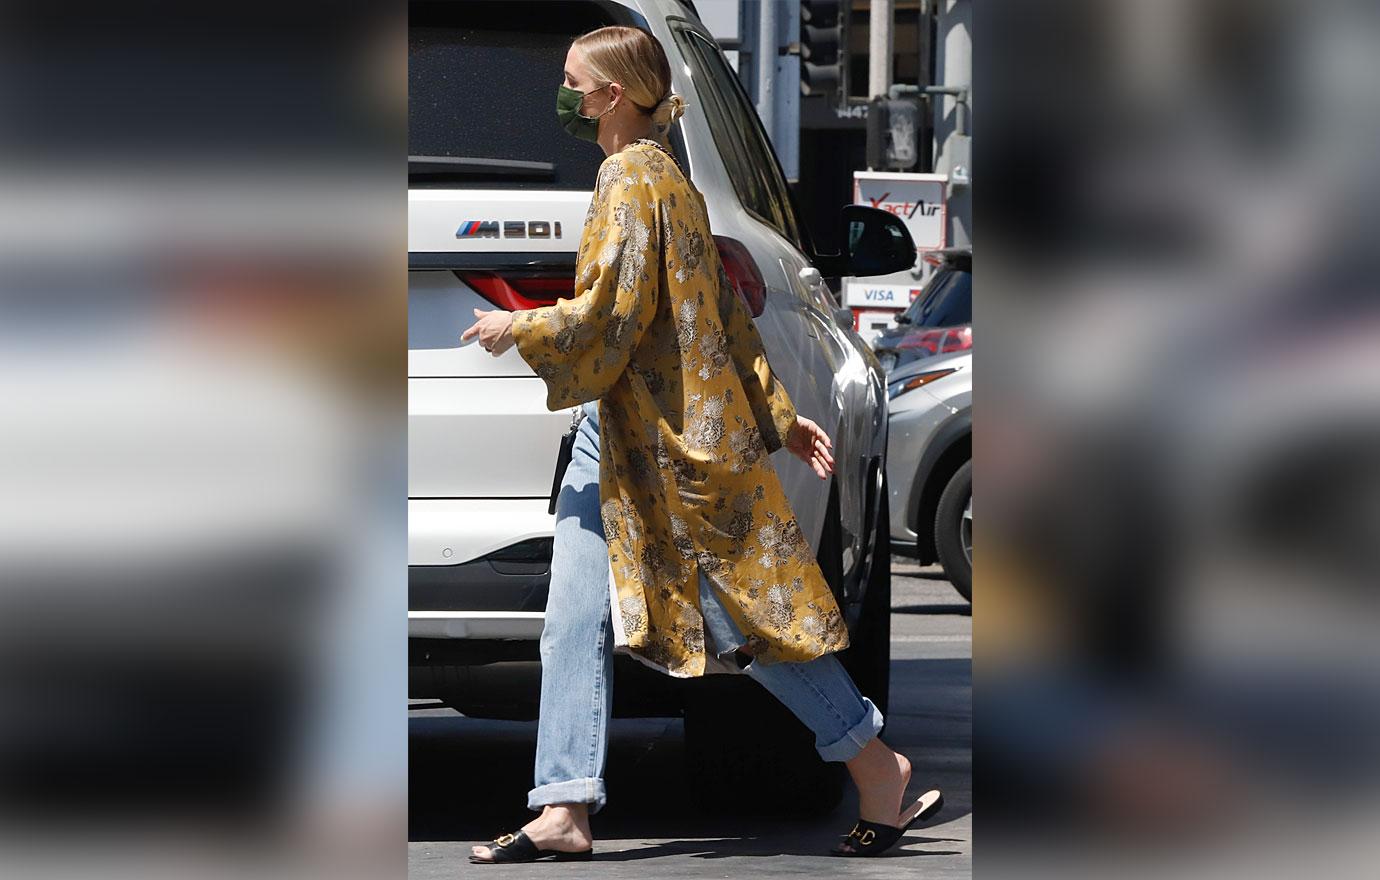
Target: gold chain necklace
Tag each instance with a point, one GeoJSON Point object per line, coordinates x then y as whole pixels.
{"type": "Point", "coordinates": [664, 150]}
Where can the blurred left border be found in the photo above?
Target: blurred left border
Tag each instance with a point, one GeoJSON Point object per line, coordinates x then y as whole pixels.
{"type": "Point", "coordinates": [202, 439]}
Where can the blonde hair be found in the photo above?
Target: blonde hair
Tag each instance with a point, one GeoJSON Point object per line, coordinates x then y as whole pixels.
{"type": "Point", "coordinates": [635, 60]}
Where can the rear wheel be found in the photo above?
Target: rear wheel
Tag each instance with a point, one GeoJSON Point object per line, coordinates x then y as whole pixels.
{"type": "Point", "coordinates": [868, 657]}
{"type": "Point", "coordinates": [953, 530]}
{"type": "Point", "coordinates": [739, 739]}
{"type": "Point", "coordinates": [748, 753]}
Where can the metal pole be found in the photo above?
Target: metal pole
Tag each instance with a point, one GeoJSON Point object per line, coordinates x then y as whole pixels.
{"type": "Point", "coordinates": [879, 47]}
{"type": "Point", "coordinates": [766, 65]}
{"type": "Point", "coordinates": [926, 78]}
{"type": "Point", "coordinates": [787, 140]}
{"type": "Point", "coordinates": [953, 137]}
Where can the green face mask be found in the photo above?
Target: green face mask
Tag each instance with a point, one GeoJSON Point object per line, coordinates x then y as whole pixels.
{"type": "Point", "coordinates": [568, 103]}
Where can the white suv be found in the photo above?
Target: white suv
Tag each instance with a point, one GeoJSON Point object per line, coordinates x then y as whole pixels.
{"type": "Point", "coordinates": [497, 196]}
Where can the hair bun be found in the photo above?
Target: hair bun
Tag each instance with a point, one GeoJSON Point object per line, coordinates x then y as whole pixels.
{"type": "Point", "coordinates": [665, 113]}
{"type": "Point", "coordinates": [677, 105]}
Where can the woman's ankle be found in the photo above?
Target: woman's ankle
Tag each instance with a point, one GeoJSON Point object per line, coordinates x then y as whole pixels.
{"type": "Point", "coordinates": [576, 814]}
{"type": "Point", "coordinates": [875, 757]}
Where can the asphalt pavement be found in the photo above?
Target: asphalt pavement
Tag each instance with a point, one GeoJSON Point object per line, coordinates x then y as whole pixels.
{"type": "Point", "coordinates": [469, 778]}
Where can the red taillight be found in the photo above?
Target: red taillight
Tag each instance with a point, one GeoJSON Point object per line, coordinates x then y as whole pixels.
{"type": "Point", "coordinates": [742, 271]}
{"type": "Point", "coordinates": [958, 339]}
{"type": "Point", "coordinates": [939, 341]}
{"type": "Point", "coordinates": [513, 293]}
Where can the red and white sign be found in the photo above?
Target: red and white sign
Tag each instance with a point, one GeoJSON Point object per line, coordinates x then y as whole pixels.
{"type": "Point", "coordinates": [920, 201]}
{"type": "Point", "coordinates": [870, 323]}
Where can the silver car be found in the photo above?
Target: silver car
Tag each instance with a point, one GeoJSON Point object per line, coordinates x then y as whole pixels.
{"type": "Point", "coordinates": [929, 466]}
{"type": "Point", "coordinates": [496, 199]}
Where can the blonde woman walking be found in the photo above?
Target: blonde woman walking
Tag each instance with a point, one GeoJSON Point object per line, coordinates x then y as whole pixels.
{"type": "Point", "coordinates": [674, 539]}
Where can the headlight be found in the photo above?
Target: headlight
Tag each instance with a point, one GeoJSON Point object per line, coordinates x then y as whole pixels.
{"type": "Point", "coordinates": [896, 389]}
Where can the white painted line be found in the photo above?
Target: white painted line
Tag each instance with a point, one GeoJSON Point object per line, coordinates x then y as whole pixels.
{"type": "Point", "coordinates": [967, 638]}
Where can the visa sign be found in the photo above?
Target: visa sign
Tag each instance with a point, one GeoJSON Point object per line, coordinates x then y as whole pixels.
{"type": "Point", "coordinates": [879, 296]}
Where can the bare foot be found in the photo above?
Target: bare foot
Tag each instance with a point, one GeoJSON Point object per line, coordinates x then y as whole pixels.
{"type": "Point", "coordinates": [881, 776]}
{"type": "Point", "coordinates": [562, 827]}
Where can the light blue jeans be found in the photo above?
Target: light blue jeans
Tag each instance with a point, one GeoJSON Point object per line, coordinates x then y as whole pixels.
{"type": "Point", "coordinates": [577, 654]}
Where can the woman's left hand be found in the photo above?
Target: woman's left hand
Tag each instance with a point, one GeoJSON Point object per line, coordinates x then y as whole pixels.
{"type": "Point", "coordinates": [808, 442]}
{"type": "Point", "coordinates": [494, 329]}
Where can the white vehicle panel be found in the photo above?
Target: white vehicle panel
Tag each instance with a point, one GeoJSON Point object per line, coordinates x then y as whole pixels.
{"type": "Point", "coordinates": [525, 625]}
{"type": "Point", "coordinates": [481, 438]}
{"type": "Point", "coordinates": [451, 531]}
{"type": "Point", "coordinates": [439, 308]}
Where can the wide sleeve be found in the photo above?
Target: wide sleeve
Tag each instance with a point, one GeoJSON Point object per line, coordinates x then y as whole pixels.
{"type": "Point", "coordinates": [581, 346]}
{"type": "Point", "coordinates": [771, 405]}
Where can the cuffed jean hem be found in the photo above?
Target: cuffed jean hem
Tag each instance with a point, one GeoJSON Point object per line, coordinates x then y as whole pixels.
{"type": "Point", "coordinates": [847, 747]}
{"type": "Point", "coordinates": [589, 790]}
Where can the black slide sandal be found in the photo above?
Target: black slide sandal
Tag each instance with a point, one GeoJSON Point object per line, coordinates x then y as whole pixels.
{"type": "Point", "coordinates": [873, 838]}
{"type": "Point", "coordinates": [519, 848]}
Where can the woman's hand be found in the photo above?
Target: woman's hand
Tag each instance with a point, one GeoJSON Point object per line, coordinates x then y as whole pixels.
{"type": "Point", "coordinates": [808, 442]}
{"type": "Point", "coordinates": [494, 329]}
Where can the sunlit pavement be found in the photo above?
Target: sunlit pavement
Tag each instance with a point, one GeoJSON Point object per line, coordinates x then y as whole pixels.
{"type": "Point", "coordinates": [469, 778]}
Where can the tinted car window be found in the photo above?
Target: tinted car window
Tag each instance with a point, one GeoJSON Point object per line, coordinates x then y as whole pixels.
{"type": "Point", "coordinates": [937, 280]}
{"type": "Point", "coordinates": [946, 302]}
{"type": "Point", "coordinates": [739, 136]}
{"type": "Point", "coordinates": [761, 154]}
{"type": "Point", "coordinates": [727, 133]}
{"type": "Point", "coordinates": [482, 83]}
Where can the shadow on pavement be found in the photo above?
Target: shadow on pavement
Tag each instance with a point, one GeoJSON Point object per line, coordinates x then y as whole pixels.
{"type": "Point", "coordinates": [963, 610]}
{"type": "Point", "coordinates": [921, 575]}
{"type": "Point", "coordinates": [739, 847]}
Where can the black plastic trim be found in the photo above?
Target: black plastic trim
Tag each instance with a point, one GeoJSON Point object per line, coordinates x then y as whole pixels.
{"type": "Point", "coordinates": [497, 261]}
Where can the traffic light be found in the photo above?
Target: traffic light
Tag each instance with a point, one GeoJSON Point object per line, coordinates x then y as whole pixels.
{"type": "Point", "coordinates": [823, 47]}
{"type": "Point", "coordinates": [893, 127]}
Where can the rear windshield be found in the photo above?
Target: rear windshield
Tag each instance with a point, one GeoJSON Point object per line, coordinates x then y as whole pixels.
{"type": "Point", "coordinates": [946, 302]}
{"type": "Point", "coordinates": [482, 80]}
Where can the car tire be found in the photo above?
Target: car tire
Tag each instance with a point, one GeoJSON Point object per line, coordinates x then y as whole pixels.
{"type": "Point", "coordinates": [955, 507]}
{"type": "Point", "coordinates": [747, 752]}
{"type": "Point", "coordinates": [868, 657]}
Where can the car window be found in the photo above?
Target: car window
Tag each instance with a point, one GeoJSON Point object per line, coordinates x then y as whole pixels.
{"type": "Point", "coordinates": [757, 143]}
{"type": "Point", "coordinates": [739, 136]}
{"type": "Point", "coordinates": [937, 280]}
{"type": "Point", "coordinates": [482, 84]}
{"type": "Point", "coordinates": [946, 301]}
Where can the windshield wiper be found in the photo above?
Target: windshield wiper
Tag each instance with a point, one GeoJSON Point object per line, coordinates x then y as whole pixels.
{"type": "Point", "coordinates": [474, 166]}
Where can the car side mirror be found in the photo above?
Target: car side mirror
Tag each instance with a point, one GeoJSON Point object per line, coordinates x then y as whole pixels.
{"type": "Point", "coordinates": [877, 243]}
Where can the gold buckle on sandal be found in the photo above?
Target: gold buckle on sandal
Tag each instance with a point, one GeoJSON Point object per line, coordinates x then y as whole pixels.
{"type": "Point", "coordinates": [505, 840]}
{"type": "Point", "coordinates": [863, 837]}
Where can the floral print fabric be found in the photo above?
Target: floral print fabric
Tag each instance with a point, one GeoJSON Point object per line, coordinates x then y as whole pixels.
{"type": "Point", "coordinates": [689, 410]}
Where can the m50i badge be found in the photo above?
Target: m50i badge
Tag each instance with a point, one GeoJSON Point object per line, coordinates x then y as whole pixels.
{"type": "Point", "coordinates": [509, 229]}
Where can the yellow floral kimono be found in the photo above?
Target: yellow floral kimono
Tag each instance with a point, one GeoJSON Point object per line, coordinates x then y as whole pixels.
{"type": "Point", "coordinates": [688, 412]}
